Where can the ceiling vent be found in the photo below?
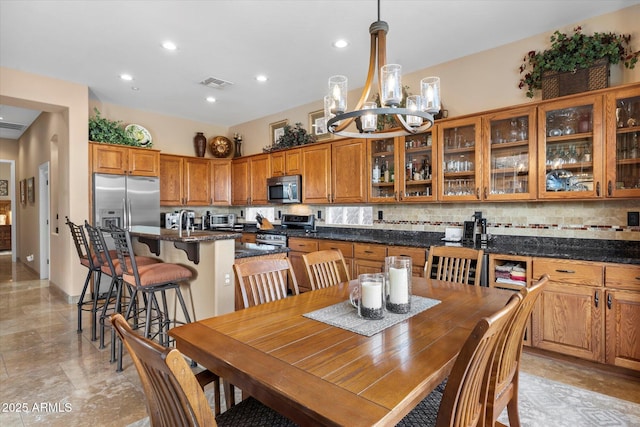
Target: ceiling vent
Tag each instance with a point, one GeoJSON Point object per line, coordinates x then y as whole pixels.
{"type": "Point", "coordinates": [12, 126]}
{"type": "Point", "coordinates": [215, 83]}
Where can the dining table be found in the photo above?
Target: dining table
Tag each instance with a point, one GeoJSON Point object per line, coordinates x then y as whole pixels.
{"type": "Point", "coordinates": [316, 373]}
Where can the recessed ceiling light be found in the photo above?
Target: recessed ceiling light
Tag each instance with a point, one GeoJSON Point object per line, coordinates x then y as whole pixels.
{"type": "Point", "coordinates": [169, 45]}
{"type": "Point", "coordinates": [340, 44]}
{"type": "Point", "coordinates": [136, 88]}
{"type": "Point", "coordinates": [211, 99]}
{"type": "Point", "coordinates": [1, 118]}
{"type": "Point", "coordinates": [261, 78]}
{"type": "Point", "coordinates": [127, 77]}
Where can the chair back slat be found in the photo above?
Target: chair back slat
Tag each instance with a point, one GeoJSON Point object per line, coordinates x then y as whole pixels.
{"type": "Point", "coordinates": [99, 247]}
{"type": "Point", "coordinates": [80, 242]}
{"type": "Point", "coordinates": [325, 268]}
{"type": "Point", "coordinates": [464, 399]}
{"type": "Point", "coordinates": [264, 280]}
{"type": "Point", "coordinates": [454, 264]}
{"type": "Point", "coordinates": [506, 365]}
{"type": "Point", "coordinates": [124, 249]}
{"type": "Point", "coordinates": [173, 395]}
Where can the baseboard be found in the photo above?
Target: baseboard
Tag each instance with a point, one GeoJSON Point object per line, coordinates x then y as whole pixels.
{"type": "Point", "coordinates": [56, 290]}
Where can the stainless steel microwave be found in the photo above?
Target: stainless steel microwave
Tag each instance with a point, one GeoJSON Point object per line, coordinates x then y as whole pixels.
{"type": "Point", "coordinates": [284, 189]}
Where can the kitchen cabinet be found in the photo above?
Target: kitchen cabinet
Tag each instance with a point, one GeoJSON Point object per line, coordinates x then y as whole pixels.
{"type": "Point", "coordinates": [345, 247]}
{"type": "Point", "coordinates": [348, 177]}
{"type": "Point", "coordinates": [568, 317]}
{"type": "Point", "coordinates": [368, 258]}
{"type": "Point", "coordinates": [220, 182]}
{"type": "Point", "coordinates": [286, 162]}
{"type": "Point", "coordinates": [622, 318]}
{"type": "Point", "coordinates": [459, 176]}
{"type": "Point", "coordinates": [184, 181]}
{"type": "Point", "coordinates": [297, 247]}
{"type": "Point", "coordinates": [623, 142]}
{"type": "Point", "coordinates": [570, 148]}
{"type": "Point", "coordinates": [249, 180]}
{"type": "Point", "coordinates": [316, 174]}
{"type": "Point", "coordinates": [509, 155]}
{"type": "Point", "coordinates": [247, 238]}
{"type": "Point", "coordinates": [418, 257]}
{"type": "Point", "coordinates": [123, 160]}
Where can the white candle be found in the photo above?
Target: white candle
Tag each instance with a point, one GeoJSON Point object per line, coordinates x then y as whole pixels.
{"type": "Point", "coordinates": [398, 286]}
{"type": "Point", "coordinates": [371, 295]}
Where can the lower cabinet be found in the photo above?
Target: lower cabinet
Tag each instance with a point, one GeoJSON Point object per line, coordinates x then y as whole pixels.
{"type": "Point", "coordinates": [418, 257]}
{"type": "Point", "coordinates": [297, 247]}
{"type": "Point", "coordinates": [345, 247]}
{"type": "Point", "coordinates": [368, 258]}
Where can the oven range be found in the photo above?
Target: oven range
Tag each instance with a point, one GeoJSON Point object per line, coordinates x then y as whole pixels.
{"type": "Point", "coordinates": [271, 239]}
{"type": "Point", "coordinates": [288, 222]}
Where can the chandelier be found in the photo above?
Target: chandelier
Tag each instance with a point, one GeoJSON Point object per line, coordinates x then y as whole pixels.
{"type": "Point", "coordinates": [415, 117]}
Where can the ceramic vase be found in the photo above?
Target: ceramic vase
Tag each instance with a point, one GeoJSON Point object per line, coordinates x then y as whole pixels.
{"type": "Point", "coordinates": [200, 143]}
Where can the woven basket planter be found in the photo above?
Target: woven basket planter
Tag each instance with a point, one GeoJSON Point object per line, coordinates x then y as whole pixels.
{"type": "Point", "coordinates": [555, 84]}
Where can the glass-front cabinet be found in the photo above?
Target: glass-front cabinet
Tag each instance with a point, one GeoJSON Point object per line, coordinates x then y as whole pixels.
{"type": "Point", "coordinates": [460, 158]}
{"type": "Point", "coordinates": [623, 143]}
{"type": "Point", "coordinates": [510, 155]}
{"type": "Point", "coordinates": [383, 170]}
{"type": "Point", "coordinates": [570, 162]}
{"type": "Point", "coordinates": [416, 177]}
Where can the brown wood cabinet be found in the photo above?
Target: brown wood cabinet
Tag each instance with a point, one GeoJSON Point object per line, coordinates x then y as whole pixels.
{"type": "Point", "coordinates": [123, 160]}
{"type": "Point", "coordinates": [348, 171]}
{"type": "Point", "coordinates": [288, 162]}
{"type": "Point", "coordinates": [220, 182]}
{"type": "Point", "coordinates": [345, 247]}
{"type": "Point", "coordinates": [249, 179]}
{"type": "Point", "coordinates": [316, 174]}
{"type": "Point", "coordinates": [297, 247]}
{"type": "Point", "coordinates": [184, 181]}
{"type": "Point", "coordinates": [418, 257]}
{"type": "Point", "coordinates": [368, 258]}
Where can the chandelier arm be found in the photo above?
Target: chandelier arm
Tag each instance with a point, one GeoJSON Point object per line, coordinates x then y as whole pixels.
{"type": "Point", "coordinates": [397, 112]}
{"type": "Point", "coordinates": [367, 86]}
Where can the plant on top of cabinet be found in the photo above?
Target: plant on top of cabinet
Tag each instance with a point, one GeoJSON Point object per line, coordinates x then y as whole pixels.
{"type": "Point", "coordinates": [293, 136]}
{"type": "Point", "coordinates": [573, 52]}
{"type": "Point", "coordinates": [102, 129]}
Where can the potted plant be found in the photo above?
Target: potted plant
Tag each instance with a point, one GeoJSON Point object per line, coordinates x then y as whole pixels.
{"type": "Point", "coordinates": [573, 52]}
{"type": "Point", "coordinates": [292, 136]}
{"type": "Point", "coordinates": [102, 129]}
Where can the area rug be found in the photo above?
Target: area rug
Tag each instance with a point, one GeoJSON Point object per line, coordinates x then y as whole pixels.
{"type": "Point", "coordinates": [545, 403]}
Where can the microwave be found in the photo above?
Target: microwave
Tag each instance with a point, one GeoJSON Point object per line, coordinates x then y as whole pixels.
{"type": "Point", "coordinates": [284, 189]}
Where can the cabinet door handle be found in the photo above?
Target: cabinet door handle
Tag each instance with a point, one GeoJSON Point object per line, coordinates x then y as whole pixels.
{"type": "Point", "coordinates": [609, 301]}
{"type": "Point", "coordinates": [478, 193]}
{"type": "Point", "coordinates": [485, 192]}
{"type": "Point", "coordinates": [596, 298]}
{"type": "Point", "coordinates": [566, 271]}
{"type": "Point", "coordinates": [598, 188]}
{"type": "Point", "coordinates": [610, 188]}
{"type": "Point", "coordinates": [368, 252]}
{"type": "Point", "coordinates": [329, 198]}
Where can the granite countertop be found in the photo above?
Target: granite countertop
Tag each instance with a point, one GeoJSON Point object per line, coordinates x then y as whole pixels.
{"type": "Point", "coordinates": [158, 233]}
{"type": "Point", "coordinates": [614, 251]}
{"type": "Point", "coordinates": [246, 250]}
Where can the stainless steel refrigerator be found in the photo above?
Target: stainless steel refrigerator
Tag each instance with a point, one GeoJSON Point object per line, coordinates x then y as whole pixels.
{"type": "Point", "coordinates": [124, 201]}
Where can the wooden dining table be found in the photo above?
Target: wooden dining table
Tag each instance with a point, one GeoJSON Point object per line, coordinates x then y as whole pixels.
{"type": "Point", "coordinates": [318, 374]}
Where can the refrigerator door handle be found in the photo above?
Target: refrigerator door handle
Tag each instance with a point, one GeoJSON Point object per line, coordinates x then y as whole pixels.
{"type": "Point", "coordinates": [125, 218]}
{"type": "Point", "coordinates": [129, 213]}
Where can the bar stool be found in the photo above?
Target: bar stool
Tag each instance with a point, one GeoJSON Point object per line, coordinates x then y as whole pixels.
{"type": "Point", "coordinates": [151, 281]}
{"type": "Point", "coordinates": [88, 261]}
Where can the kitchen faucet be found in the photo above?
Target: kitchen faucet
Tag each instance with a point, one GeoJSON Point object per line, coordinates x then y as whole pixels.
{"type": "Point", "coordinates": [183, 212]}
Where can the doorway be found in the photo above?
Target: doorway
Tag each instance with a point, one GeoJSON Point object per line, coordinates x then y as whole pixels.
{"type": "Point", "coordinates": [44, 220]}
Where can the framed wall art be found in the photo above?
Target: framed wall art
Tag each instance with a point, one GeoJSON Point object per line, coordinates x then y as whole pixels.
{"type": "Point", "coordinates": [4, 187]}
{"type": "Point", "coordinates": [277, 130]}
{"type": "Point", "coordinates": [30, 190]}
{"type": "Point", "coordinates": [23, 191]}
{"type": "Point", "coordinates": [318, 125]}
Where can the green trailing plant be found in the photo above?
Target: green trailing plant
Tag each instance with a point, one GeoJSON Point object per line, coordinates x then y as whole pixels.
{"type": "Point", "coordinates": [102, 129]}
{"type": "Point", "coordinates": [388, 121]}
{"type": "Point", "coordinates": [572, 52]}
{"type": "Point", "coordinates": [292, 137]}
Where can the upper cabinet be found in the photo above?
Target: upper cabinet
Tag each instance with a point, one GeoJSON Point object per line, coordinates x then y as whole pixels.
{"type": "Point", "coordinates": [184, 181]}
{"type": "Point", "coordinates": [570, 150]}
{"type": "Point", "coordinates": [249, 179]}
{"type": "Point", "coordinates": [460, 159]}
{"type": "Point", "coordinates": [221, 182]}
{"type": "Point", "coordinates": [509, 158]}
{"type": "Point", "coordinates": [316, 173]}
{"type": "Point", "coordinates": [348, 177]}
{"type": "Point", "coordinates": [623, 143]}
{"type": "Point", "coordinates": [123, 160]}
{"type": "Point", "coordinates": [287, 162]}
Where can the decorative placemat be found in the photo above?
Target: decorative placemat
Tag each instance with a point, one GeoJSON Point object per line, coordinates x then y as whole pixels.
{"type": "Point", "coordinates": [345, 316]}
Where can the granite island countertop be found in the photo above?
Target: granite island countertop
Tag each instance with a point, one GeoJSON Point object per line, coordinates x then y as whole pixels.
{"type": "Point", "coordinates": [246, 250]}
{"type": "Point", "coordinates": [613, 251]}
{"type": "Point", "coordinates": [159, 233]}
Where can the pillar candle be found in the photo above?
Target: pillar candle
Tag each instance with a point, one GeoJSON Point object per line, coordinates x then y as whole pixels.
{"type": "Point", "coordinates": [371, 295]}
{"type": "Point", "coordinates": [398, 286]}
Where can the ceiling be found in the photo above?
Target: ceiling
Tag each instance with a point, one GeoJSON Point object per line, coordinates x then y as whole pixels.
{"type": "Point", "coordinates": [93, 42]}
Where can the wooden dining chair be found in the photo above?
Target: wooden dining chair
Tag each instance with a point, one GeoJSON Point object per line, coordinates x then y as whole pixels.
{"type": "Point", "coordinates": [463, 402]}
{"type": "Point", "coordinates": [503, 383]}
{"type": "Point", "coordinates": [454, 264]}
{"type": "Point", "coordinates": [325, 268]}
{"type": "Point", "coordinates": [175, 396]}
{"type": "Point", "coordinates": [264, 280]}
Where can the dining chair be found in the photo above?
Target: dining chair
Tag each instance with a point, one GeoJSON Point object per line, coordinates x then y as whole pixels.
{"type": "Point", "coordinates": [463, 402]}
{"type": "Point", "coordinates": [264, 280]}
{"type": "Point", "coordinates": [454, 264]}
{"type": "Point", "coordinates": [175, 396]}
{"type": "Point", "coordinates": [503, 383]}
{"type": "Point", "coordinates": [325, 268]}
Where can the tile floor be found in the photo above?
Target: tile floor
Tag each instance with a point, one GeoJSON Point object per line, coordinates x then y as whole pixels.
{"type": "Point", "coordinates": [63, 379]}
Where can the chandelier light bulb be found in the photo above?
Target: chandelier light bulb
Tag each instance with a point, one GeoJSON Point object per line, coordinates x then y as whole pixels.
{"type": "Point", "coordinates": [338, 93]}
{"type": "Point", "coordinates": [414, 103]}
{"type": "Point", "coordinates": [430, 89]}
{"type": "Point", "coordinates": [391, 85]}
{"type": "Point", "coordinates": [369, 120]}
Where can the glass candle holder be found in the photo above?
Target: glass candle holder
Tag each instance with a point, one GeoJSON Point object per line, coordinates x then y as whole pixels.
{"type": "Point", "coordinates": [368, 296]}
{"type": "Point", "coordinates": [369, 120]}
{"type": "Point", "coordinates": [430, 89]}
{"type": "Point", "coordinates": [398, 270]}
{"type": "Point", "coordinates": [327, 109]}
{"type": "Point", "coordinates": [391, 82]}
{"type": "Point", "coordinates": [338, 94]}
{"type": "Point", "coordinates": [414, 103]}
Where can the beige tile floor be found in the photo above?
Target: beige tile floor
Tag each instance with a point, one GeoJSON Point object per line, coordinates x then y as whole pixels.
{"type": "Point", "coordinates": [44, 361]}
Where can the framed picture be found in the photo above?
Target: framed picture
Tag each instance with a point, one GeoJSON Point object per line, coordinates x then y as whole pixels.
{"type": "Point", "coordinates": [30, 187]}
{"type": "Point", "coordinates": [277, 130]}
{"type": "Point", "coordinates": [318, 125]}
{"type": "Point", "coordinates": [4, 187]}
{"type": "Point", "coordinates": [23, 191]}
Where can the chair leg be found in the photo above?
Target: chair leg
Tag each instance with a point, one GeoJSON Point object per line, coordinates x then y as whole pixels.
{"type": "Point", "coordinates": [94, 306]}
{"type": "Point", "coordinates": [81, 300]}
{"type": "Point", "coordinates": [105, 308]}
